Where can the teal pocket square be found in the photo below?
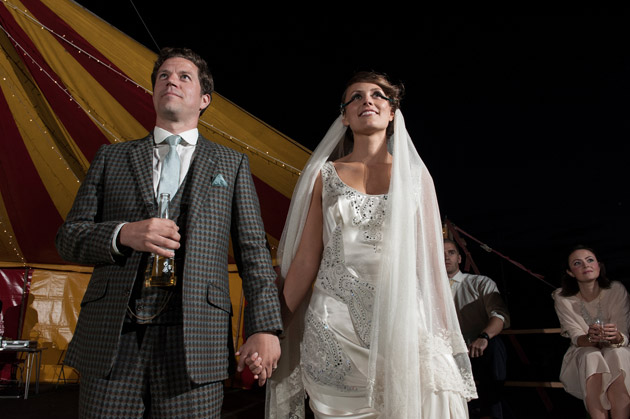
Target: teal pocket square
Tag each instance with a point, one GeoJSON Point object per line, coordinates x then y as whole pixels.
{"type": "Point", "coordinates": [219, 181]}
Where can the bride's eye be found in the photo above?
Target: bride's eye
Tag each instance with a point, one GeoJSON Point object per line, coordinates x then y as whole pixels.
{"type": "Point", "coordinates": [354, 97]}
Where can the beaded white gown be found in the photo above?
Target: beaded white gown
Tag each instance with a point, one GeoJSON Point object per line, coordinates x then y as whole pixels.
{"type": "Point", "coordinates": [382, 254]}
{"type": "Point", "coordinates": [335, 346]}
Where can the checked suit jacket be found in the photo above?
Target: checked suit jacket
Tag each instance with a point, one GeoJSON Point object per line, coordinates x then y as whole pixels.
{"type": "Point", "coordinates": [118, 188]}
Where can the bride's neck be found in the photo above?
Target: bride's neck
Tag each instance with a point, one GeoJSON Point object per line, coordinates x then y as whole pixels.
{"type": "Point", "coordinates": [370, 150]}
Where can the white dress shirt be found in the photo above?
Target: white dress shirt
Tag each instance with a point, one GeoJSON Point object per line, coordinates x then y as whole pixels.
{"type": "Point", "coordinates": [477, 298]}
{"type": "Point", "coordinates": [185, 149]}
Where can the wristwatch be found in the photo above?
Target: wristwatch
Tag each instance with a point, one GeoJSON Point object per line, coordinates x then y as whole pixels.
{"type": "Point", "coordinates": [484, 335]}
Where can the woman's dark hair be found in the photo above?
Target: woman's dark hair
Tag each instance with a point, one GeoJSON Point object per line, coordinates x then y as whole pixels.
{"type": "Point", "coordinates": [205, 77]}
{"type": "Point", "coordinates": [394, 93]}
{"type": "Point", "coordinates": [569, 283]}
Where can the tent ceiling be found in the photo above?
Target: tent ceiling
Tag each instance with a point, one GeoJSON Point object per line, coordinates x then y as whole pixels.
{"type": "Point", "coordinates": [70, 83]}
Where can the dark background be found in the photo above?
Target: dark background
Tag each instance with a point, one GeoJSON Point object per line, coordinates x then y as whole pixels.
{"type": "Point", "coordinates": [521, 119]}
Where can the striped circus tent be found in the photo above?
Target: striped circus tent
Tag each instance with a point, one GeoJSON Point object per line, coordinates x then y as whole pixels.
{"type": "Point", "coordinates": [70, 83]}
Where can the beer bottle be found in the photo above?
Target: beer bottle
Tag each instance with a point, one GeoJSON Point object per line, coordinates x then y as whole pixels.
{"type": "Point", "coordinates": [161, 270]}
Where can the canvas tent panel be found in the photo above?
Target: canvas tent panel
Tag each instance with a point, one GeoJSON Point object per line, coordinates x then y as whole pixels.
{"type": "Point", "coordinates": [66, 56]}
{"type": "Point", "coordinates": [24, 196]}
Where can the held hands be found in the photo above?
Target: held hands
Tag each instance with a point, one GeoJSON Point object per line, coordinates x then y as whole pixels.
{"type": "Point", "coordinates": [154, 235]}
{"type": "Point", "coordinates": [260, 353]}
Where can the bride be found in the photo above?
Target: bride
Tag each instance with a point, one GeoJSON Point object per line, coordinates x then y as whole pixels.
{"type": "Point", "coordinates": [370, 325]}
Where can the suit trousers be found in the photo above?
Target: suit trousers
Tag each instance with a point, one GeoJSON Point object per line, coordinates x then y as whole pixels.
{"type": "Point", "coordinates": [149, 380]}
{"type": "Point", "coordinates": [489, 371]}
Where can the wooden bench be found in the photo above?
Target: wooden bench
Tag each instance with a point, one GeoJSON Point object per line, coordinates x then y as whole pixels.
{"type": "Point", "coordinates": [511, 334]}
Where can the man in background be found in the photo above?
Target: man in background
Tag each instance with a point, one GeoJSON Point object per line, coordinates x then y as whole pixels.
{"type": "Point", "coordinates": [482, 315]}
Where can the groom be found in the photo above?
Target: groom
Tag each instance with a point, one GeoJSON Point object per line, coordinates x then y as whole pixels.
{"type": "Point", "coordinates": [163, 351]}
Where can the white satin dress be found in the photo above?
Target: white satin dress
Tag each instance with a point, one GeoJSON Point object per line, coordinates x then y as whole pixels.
{"type": "Point", "coordinates": [335, 346]}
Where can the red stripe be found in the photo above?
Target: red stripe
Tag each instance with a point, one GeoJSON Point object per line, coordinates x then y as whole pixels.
{"type": "Point", "coordinates": [33, 215]}
{"type": "Point", "coordinates": [135, 100]}
{"type": "Point", "coordinates": [274, 207]}
{"type": "Point", "coordinates": [85, 134]}
{"type": "Point", "coordinates": [11, 284]}
{"type": "Point", "coordinates": [11, 288]}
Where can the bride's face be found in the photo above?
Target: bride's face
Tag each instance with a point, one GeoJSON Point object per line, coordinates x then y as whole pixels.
{"type": "Point", "coordinates": [367, 109]}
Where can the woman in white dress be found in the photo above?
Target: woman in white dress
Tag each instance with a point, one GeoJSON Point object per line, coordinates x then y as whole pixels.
{"type": "Point", "coordinates": [595, 314]}
{"type": "Point", "coordinates": [371, 329]}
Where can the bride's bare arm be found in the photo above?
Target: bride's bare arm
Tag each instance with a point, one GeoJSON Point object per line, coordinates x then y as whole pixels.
{"type": "Point", "coordinates": [303, 269]}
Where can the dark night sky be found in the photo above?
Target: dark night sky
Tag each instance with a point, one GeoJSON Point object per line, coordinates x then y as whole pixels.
{"type": "Point", "coordinates": [522, 120]}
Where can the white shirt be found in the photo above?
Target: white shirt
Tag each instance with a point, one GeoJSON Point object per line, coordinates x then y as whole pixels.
{"type": "Point", "coordinates": [185, 149]}
{"type": "Point", "coordinates": [477, 298]}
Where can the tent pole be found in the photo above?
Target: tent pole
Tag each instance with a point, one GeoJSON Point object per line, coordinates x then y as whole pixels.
{"type": "Point", "coordinates": [23, 305]}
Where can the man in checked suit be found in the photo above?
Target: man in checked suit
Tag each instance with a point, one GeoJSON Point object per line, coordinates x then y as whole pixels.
{"type": "Point", "coordinates": [163, 351]}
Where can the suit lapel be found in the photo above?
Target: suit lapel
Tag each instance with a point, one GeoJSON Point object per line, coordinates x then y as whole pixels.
{"type": "Point", "coordinates": [142, 162]}
{"type": "Point", "coordinates": [200, 177]}
{"type": "Point", "coordinates": [203, 166]}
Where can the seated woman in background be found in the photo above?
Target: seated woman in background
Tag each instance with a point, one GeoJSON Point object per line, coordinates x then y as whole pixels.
{"type": "Point", "coordinates": [595, 314]}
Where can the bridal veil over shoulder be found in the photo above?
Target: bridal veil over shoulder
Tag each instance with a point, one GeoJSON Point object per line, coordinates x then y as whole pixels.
{"type": "Point", "coordinates": [418, 358]}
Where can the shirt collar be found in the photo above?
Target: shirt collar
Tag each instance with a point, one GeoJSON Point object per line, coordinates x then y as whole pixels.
{"type": "Point", "coordinates": [458, 277]}
{"type": "Point", "coordinates": [190, 136]}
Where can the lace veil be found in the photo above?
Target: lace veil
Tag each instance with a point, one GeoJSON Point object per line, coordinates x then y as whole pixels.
{"type": "Point", "coordinates": [416, 344]}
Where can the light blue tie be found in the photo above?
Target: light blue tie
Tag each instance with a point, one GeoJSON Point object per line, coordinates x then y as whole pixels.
{"type": "Point", "coordinates": [169, 178]}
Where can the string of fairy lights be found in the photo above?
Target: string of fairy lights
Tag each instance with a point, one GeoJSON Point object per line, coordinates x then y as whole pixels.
{"type": "Point", "coordinates": [62, 37]}
{"type": "Point", "coordinates": [76, 98]}
{"type": "Point", "coordinates": [63, 89]}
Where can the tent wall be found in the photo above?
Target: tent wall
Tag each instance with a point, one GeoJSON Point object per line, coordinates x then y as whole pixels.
{"type": "Point", "coordinates": [48, 312]}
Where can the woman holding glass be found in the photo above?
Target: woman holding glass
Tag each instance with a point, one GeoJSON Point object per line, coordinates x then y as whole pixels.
{"type": "Point", "coordinates": [595, 314]}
